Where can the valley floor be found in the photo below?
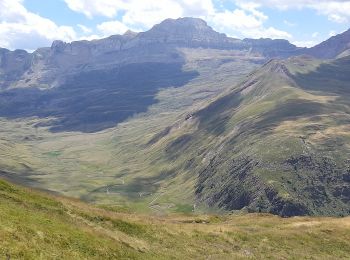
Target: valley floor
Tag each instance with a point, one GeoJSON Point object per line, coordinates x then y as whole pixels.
{"type": "Point", "coordinates": [35, 225]}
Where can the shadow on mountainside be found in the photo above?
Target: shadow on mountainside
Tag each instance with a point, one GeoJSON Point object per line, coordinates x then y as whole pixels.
{"type": "Point", "coordinates": [96, 100]}
{"type": "Point", "coordinates": [332, 78]}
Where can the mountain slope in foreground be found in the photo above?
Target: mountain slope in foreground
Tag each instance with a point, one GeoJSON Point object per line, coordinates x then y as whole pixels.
{"type": "Point", "coordinates": [35, 225]}
{"type": "Point", "coordinates": [279, 142]}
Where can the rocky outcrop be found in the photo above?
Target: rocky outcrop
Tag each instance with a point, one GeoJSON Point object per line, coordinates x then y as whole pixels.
{"type": "Point", "coordinates": [232, 184]}
{"type": "Point", "coordinates": [237, 188]}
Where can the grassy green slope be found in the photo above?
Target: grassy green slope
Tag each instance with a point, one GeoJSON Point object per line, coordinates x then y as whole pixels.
{"type": "Point", "coordinates": [278, 142]}
{"type": "Point", "coordinates": [35, 225]}
{"type": "Point", "coordinates": [119, 165]}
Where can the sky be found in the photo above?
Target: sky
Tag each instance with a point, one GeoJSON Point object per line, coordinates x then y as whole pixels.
{"type": "Point", "coordinates": [30, 24]}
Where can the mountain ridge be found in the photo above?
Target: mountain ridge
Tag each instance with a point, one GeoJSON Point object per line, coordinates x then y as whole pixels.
{"type": "Point", "coordinates": [197, 27]}
{"type": "Point", "coordinates": [47, 66]}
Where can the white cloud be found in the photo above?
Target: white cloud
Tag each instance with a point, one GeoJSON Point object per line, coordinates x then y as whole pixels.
{"type": "Point", "coordinates": [197, 8]}
{"type": "Point", "coordinates": [84, 29]}
{"type": "Point", "coordinates": [108, 8]}
{"type": "Point", "coordinates": [146, 14]}
{"type": "Point", "coordinates": [332, 33]}
{"type": "Point", "coordinates": [90, 37]}
{"type": "Point", "coordinates": [20, 28]}
{"type": "Point", "coordinates": [270, 32]}
{"type": "Point", "coordinates": [337, 18]}
{"type": "Point", "coordinates": [246, 21]}
{"type": "Point", "coordinates": [143, 14]}
{"type": "Point", "coordinates": [252, 8]}
{"type": "Point", "coordinates": [315, 35]}
{"type": "Point", "coordinates": [112, 27]}
{"type": "Point", "coordinates": [336, 10]}
{"type": "Point", "coordinates": [237, 20]}
{"type": "Point", "coordinates": [305, 43]}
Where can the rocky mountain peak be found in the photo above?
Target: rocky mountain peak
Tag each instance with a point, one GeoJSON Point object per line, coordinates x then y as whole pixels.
{"type": "Point", "coordinates": [130, 33]}
{"type": "Point", "coordinates": [183, 23]}
{"type": "Point", "coordinates": [186, 32]}
{"type": "Point", "coordinates": [183, 27]}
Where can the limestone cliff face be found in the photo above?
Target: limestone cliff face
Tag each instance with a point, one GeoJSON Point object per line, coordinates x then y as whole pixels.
{"type": "Point", "coordinates": [48, 67]}
{"type": "Point", "coordinates": [12, 65]}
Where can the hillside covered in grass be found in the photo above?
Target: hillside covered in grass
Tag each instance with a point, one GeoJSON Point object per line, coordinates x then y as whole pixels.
{"type": "Point", "coordinates": [277, 142]}
{"type": "Point", "coordinates": [35, 225]}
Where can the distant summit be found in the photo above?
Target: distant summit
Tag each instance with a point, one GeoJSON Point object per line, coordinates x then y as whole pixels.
{"type": "Point", "coordinates": [130, 33]}
{"type": "Point", "coordinates": [186, 28]}
{"type": "Point", "coordinates": [188, 32]}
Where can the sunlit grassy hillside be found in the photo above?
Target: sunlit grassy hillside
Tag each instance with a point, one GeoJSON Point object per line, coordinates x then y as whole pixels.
{"type": "Point", "coordinates": [34, 225]}
{"type": "Point", "coordinates": [277, 142]}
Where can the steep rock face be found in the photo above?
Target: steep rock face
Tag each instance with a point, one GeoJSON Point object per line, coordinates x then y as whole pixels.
{"type": "Point", "coordinates": [49, 67]}
{"type": "Point", "coordinates": [86, 50]}
{"type": "Point", "coordinates": [77, 53]}
{"type": "Point", "coordinates": [13, 64]}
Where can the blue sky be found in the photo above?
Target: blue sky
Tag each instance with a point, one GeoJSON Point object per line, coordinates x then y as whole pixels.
{"type": "Point", "coordinates": [29, 24]}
